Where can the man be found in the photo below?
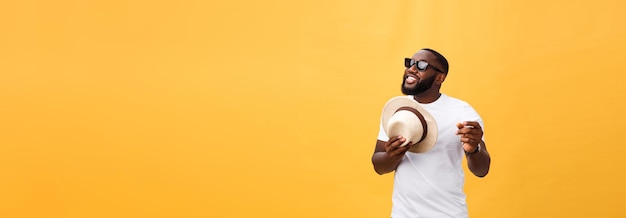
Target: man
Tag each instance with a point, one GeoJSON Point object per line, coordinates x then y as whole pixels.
{"type": "Point", "coordinates": [430, 184]}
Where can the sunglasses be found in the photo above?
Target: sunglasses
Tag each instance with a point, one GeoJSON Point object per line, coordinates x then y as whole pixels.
{"type": "Point", "coordinates": [421, 65]}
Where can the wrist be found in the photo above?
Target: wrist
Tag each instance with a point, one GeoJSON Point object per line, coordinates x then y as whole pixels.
{"type": "Point", "coordinates": [477, 150]}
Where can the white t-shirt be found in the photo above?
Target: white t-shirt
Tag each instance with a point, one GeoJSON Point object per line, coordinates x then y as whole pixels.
{"type": "Point", "coordinates": [430, 184]}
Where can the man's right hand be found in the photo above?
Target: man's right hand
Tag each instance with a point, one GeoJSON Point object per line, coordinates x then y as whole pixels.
{"type": "Point", "coordinates": [393, 148]}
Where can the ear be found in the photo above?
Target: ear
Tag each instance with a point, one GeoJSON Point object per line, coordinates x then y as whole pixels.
{"type": "Point", "coordinates": [440, 78]}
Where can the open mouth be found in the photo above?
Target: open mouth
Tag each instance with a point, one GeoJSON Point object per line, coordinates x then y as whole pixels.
{"type": "Point", "coordinates": [410, 79]}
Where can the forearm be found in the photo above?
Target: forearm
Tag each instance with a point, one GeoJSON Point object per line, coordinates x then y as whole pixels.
{"type": "Point", "coordinates": [480, 162]}
{"type": "Point", "coordinates": [383, 163]}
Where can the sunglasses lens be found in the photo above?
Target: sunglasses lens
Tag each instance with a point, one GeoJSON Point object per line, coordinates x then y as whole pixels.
{"type": "Point", "coordinates": [421, 65]}
{"type": "Point", "coordinates": [407, 62]}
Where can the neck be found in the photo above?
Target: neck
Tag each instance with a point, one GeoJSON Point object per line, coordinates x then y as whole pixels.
{"type": "Point", "coordinates": [427, 97]}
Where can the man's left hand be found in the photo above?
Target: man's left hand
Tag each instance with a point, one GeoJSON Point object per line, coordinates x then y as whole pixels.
{"type": "Point", "coordinates": [471, 135]}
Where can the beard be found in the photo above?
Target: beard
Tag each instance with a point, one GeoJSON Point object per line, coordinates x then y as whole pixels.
{"type": "Point", "coordinates": [420, 87]}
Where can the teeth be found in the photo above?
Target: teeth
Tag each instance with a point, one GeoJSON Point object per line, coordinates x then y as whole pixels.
{"type": "Point", "coordinates": [410, 79]}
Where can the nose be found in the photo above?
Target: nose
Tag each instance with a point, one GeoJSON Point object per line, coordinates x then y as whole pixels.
{"type": "Point", "coordinates": [412, 69]}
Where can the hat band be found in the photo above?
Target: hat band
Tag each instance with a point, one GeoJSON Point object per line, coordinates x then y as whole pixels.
{"type": "Point", "coordinates": [419, 115]}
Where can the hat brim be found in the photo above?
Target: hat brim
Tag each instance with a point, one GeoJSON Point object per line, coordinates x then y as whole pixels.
{"type": "Point", "coordinates": [407, 101]}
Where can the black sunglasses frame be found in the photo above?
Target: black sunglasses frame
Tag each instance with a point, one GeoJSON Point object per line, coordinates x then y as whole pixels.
{"type": "Point", "coordinates": [408, 63]}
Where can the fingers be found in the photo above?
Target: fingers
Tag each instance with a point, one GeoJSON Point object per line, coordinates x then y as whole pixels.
{"type": "Point", "coordinates": [468, 127]}
{"type": "Point", "coordinates": [470, 132]}
{"type": "Point", "coordinates": [393, 147]}
{"type": "Point", "coordinates": [468, 124]}
{"type": "Point", "coordinates": [395, 139]}
{"type": "Point", "coordinates": [399, 151]}
{"type": "Point", "coordinates": [470, 140]}
{"type": "Point", "coordinates": [395, 142]}
{"type": "Point", "coordinates": [473, 124]}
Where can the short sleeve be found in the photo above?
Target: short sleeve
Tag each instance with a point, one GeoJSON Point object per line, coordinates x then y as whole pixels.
{"type": "Point", "coordinates": [381, 133]}
{"type": "Point", "coordinates": [471, 115]}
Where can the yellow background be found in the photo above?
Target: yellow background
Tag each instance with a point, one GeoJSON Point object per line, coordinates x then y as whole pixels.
{"type": "Point", "coordinates": [271, 108]}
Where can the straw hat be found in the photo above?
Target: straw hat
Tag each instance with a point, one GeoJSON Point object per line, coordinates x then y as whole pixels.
{"type": "Point", "coordinates": [404, 116]}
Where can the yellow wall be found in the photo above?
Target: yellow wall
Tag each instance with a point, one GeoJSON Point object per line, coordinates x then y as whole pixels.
{"type": "Point", "coordinates": [271, 108]}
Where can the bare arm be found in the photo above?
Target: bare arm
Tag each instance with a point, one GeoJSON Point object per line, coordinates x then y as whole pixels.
{"type": "Point", "coordinates": [479, 162]}
{"type": "Point", "coordinates": [471, 135]}
{"type": "Point", "coordinates": [388, 155]}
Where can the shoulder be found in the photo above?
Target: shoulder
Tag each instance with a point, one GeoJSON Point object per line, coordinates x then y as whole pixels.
{"type": "Point", "coordinates": [452, 101]}
{"type": "Point", "coordinates": [462, 107]}
{"type": "Point", "coordinates": [458, 105]}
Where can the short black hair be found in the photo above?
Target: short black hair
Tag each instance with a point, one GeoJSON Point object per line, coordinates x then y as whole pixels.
{"type": "Point", "coordinates": [441, 59]}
